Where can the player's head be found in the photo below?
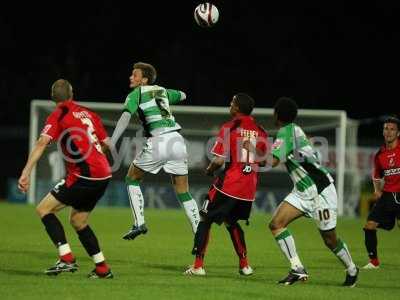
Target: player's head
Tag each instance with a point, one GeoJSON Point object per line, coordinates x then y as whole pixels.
{"type": "Point", "coordinates": [391, 128]}
{"type": "Point", "coordinates": [241, 104]}
{"type": "Point", "coordinates": [285, 110]}
{"type": "Point", "coordinates": [142, 74]}
{"type": "Point", "coordinates": [61, 90]}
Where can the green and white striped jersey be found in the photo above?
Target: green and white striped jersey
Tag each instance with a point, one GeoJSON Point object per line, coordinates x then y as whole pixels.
{"type": "Point", "coordinates": [293, 149]}
{"type": "Point", "coordinates": [151, 103]}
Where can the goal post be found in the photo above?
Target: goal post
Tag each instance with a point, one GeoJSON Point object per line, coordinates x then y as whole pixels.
{"type": "Point", "coordinates": [199, 124]}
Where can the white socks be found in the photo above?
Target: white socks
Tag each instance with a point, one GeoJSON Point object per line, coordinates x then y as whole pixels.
{"type": "Point", "coordinates": [192, 213]}
{"type": "Point", "coordinates": [288, 247]}
{"type": "Point", "coordinates": [342, 252]}
{"type": "Point", "coordinates": [137, 203]}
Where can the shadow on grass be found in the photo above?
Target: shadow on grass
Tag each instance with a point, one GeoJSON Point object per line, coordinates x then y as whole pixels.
{"type": "Point", "coordinates": [165, 267]}
{"type": "Point", "coordinates": [21, 272]}
{"type": "Point", "coordinates": [37, 254]}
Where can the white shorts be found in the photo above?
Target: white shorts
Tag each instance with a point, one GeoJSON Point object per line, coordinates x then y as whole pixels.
{"type": "Point", "coordinates": [167, 151]}
{"type": "Point", "coordinates": [323, 208]}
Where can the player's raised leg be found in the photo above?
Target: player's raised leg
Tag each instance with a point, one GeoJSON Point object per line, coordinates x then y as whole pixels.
{"type": "Point", "coordinates": [285, 214]}
{"type": "Point", "coordinates": [79, 220]}
{"type": "Point", "coordinates": [136, 201]}
{"type": "Point", "coordinates": [181, 187]}
{"type": "Point", "coordinates": [46, 210]}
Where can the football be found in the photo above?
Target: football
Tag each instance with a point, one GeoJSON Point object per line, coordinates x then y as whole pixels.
{"type": "Point", "coordinates": [206, 14]}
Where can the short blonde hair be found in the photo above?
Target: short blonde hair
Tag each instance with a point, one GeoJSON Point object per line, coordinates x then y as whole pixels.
{"type": "Point", "coordinates": [61, 90]}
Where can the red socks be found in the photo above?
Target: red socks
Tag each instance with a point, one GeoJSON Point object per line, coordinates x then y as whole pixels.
{"type": "Point", "coordinates": [68, 258]}
{"type": "Point", "coordinates": [102, 268]}
{"type": "Point", "coordinates": [243, 262]}
{"type": "Point", "coordinates": [374, 261]}
{"type": "Point", "coordinates": [198, 262]}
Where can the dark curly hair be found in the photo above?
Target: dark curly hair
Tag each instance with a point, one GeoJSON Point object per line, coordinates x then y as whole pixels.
{"type": "Point", "coordinates": [286, 110]}
{"type": "Point", "coordinates": [244, 102]}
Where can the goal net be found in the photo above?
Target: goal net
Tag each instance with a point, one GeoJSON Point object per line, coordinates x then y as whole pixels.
{"type": "Point", "coordinates": [332, 133]}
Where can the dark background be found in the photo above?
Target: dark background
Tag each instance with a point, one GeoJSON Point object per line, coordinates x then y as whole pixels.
{"type": "Point", "coordinates": [325, 56]}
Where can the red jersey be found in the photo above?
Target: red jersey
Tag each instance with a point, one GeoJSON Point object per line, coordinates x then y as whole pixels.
{"type": "Point", "coordinates": [387, 167]}
{"type": "Point", "coordinates": [79, 132]}
{"type": "Point", "coordinates": [240, 176]}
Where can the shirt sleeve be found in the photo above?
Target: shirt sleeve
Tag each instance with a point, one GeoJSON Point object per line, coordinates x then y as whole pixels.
{"type": "Point", "coordinates": [220, 148]}
{"type": "Point", "coordinates": [52, 128]}
{"type": "Point", "coordinates": [132, 101]}
{"type": "Point", "coordinates": [283, 144]}
{"type": "Point", "coordinates": [175, 96]}
{"type": "Point", "coordinates": [99, 128]}
{"type": "Point", "coordinates": [122, 124]}
{"type": "Point", "coordinates": [377, 173]}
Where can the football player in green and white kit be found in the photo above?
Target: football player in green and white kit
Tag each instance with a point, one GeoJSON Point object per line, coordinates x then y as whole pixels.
{"type": "Point", "coordinates": [164, 148]}
{"type": "Point", "coordinates": [313, 195]}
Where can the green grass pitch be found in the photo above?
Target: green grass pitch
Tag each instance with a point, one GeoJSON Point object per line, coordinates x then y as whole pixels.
{"type": "Point", "coordinates": [151, 266]}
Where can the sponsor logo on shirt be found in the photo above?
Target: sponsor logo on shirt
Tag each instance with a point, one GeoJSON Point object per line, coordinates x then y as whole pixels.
{"type": "Point", "coordinates": [390, 172]}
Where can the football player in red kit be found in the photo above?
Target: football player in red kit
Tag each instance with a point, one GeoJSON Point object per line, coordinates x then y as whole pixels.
{"type": "Point", "coordinates": [232, 193]}
{"type": "Point", "coordinates": [80, 135]}
{"type": "Point", "coordinates": [386, 180]}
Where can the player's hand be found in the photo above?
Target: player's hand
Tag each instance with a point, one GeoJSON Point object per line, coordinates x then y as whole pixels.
{"type": "Point", "coordinates": [377, 195]}
{"type": "Point", "coordinates": [209, 172]}
{"type": "Point", "coordinates": [104, 148]}
{"type": "Point", "coordinates": [23, 183]}
{"type": "Point", "coordinates": [246, 145]}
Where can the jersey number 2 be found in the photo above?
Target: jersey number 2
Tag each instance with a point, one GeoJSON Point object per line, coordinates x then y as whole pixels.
{"type": "Point", "coordinates": [91, 134]}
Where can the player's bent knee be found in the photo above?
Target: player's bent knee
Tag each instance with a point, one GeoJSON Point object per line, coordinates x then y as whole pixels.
{"type": "Point", "coordinates": [331, 243]}
{"type": "Point", "coordinates": [274, 225]}
{"type": "Point", "coordinates": [370, 226]}
{"type": "Point", "coordinates": [41, 210]}
{"type": "Point", "coordinates": [78, 224]}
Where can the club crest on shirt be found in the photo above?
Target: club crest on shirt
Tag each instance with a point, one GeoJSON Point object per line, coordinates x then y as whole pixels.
{"type": "Point", "coordinates": [277, 144]}
{"type": "Point", "coordinates": [391, 162]}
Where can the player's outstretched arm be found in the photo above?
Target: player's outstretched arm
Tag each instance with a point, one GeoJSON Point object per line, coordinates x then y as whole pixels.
{"type": "Point", "coordinates": [122, 124]}
{"type": "Point", "coordinates": [37, 152]}
{"type": "Point", "coordinates": [175, 96]}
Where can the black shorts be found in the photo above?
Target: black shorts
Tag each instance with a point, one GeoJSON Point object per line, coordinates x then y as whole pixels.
{"type": "Point", "coordinates": [223, 208]}
{"type": "Point", "coordinates": [386, 210]}
{"type": "Point", "coordinates": [82, 195]}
